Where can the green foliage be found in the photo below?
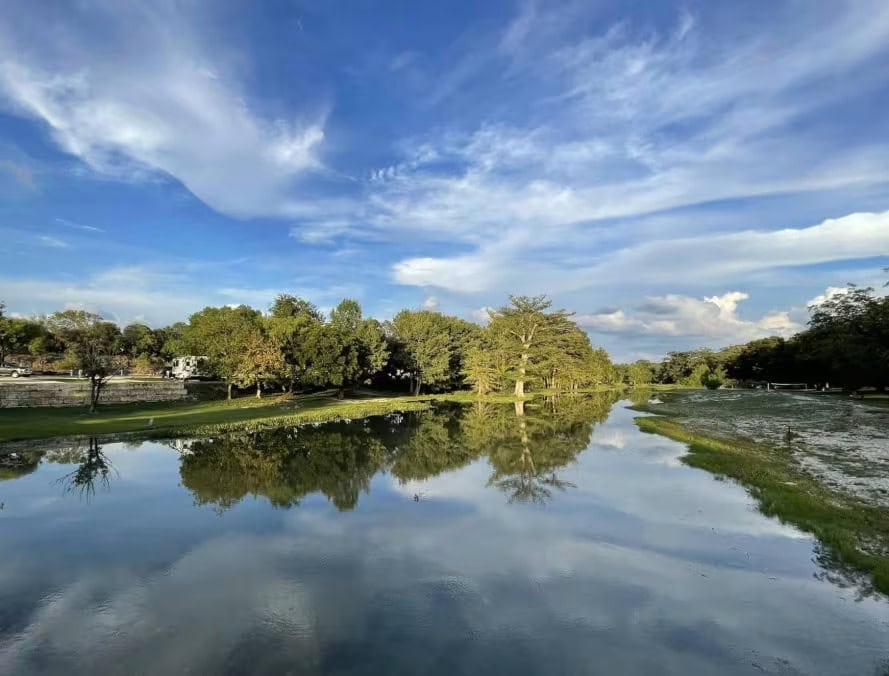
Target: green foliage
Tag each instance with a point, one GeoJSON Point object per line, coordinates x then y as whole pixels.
{"type": "Point", "coordinates": [429, 347]}
{"type": "Point", "coordinates": [480, 371]}
{"type": "Point", "coordinates": [137, 339]}
{"type": "Point", "coordinates": [221, 334]}
{"type": "Point", "coordinates": [287, 306]}
{"type": "Point", "coordinates": [640, 372]}
{"type": "Point", "coordinates": [260, 360]}
{"type": "Point", "coordinates": [295, 347]}
{"type": "Point", "coordinates": [91, 344]}
{"type": "Point", "coordinates": [531, 336]}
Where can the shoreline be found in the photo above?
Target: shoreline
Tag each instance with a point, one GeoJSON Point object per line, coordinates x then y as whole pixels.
{"type": "Point", "coordinates": [853, 533]}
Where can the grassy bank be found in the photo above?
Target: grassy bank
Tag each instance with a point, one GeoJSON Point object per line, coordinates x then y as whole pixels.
{"type": "Point", "coordinates": [203, 417]}
{"type": "Point", "coordinates": [854, 534]}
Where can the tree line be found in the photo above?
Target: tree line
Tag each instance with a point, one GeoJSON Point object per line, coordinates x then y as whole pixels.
{"type": "Point", "coordinates": [293, 346]}
{"type": "Point", "coordinates": [846, 344]}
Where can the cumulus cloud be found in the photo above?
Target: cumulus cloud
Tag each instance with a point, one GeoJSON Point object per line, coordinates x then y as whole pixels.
{"type": "Point", "coordinates": [152, 101]}
{"type": "Point", "coordinates": [431, 303]}
{"type": "Point", "coordinates": [714, 317]}
{"type": "Point", "coordinates": [121, 294]}
{"type": "Point", "coordinates": [829, 293]}
{"type": "Point", "coordinates": [482, 315]}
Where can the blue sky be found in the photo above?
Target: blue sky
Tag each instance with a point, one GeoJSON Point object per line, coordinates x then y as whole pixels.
{"type": "Point", "coordinates": [679, 174]}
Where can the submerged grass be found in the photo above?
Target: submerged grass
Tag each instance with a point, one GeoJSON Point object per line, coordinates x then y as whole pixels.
{"type": "Point", "coordinates": [855, 534]}
{"type": "Point", "coordinates": [192, 418]}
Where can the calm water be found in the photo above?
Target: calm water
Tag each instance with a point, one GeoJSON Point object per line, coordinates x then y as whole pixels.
{"type": "Point", "coordinates": [461, 541]}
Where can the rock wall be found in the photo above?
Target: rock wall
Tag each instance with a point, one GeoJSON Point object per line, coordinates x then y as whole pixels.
{"type": "Point", "coordinates": [23, 393]}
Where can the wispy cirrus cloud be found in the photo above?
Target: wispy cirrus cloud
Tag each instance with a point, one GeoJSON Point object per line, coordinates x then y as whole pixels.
{"type": "Point", "coordinates": [54, 242]}
{"type": "Point", "coordinates": [153, 100]}
{"type": "Point", "coordinates": [64, 222]}
{"type": "Point", "coordinates": [710, 258]}
{"type": "Point", "coordinates": [630, 122]}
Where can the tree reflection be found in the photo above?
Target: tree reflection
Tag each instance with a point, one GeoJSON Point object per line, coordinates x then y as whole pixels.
{"type": "Point", "coordinates": [17, 465]}
{"type": "Point", "coordinates": [94, 469]}
{"type": "Point", "coordinates": [283, 466]}
{"type": "Point", "coordinates": [544, 438]}
{"type": "Point", "coordinates": [526, 446]}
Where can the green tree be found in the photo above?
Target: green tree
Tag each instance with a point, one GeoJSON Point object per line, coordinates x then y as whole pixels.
{"type": "Point", "coordinates": [480, 371]}
{"type": "Point", "coordinates": [222, 334]}
{"type": "Point", "coordinates": [640, 372]}
{"type": "Point", "coordinates": [286, 305]}
{"type": "Point", "coordinates": [296, 326]}
{"type": "Point", "coordinates": [359, 346]}
{"type": "Point", "coordinates": [138, 339]}
{"type": "Point", "coordinates": [169, 340]}
{"type": "Point", "coordinates": [528, 332]}
{"type": "Point", "coordinates": [424, 346]}
{"type": "Point", "coordinates": [91, 344]}
{"type": "Point", "coordinates": [261, 360]}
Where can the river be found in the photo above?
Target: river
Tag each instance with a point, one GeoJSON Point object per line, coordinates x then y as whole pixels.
{"type": "Point", "coordinates": [482, 539]}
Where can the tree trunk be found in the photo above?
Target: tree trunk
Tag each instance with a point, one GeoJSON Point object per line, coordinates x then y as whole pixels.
{"type": "Point", "coordinates": [520, 382]}
{"type": "Point", "coordinates": [95, 391]}
{"type": "Point", "coordinates": [341, 393]}
{"type": "Point", "coordinates": [229, 396]}
{"type": "Point", "coordinates": [259, 389]}
{"type": "Point", "coordinates": [419, 385]}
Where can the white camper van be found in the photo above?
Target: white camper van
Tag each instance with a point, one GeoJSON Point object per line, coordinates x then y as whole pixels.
{"type": "Point", "coordinates": [190, 366]}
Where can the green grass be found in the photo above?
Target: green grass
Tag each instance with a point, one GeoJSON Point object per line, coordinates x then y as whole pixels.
{"type": "Point", "coordinates": [194, 418]}
{"type": "Point", "coordinates": [854, 534]}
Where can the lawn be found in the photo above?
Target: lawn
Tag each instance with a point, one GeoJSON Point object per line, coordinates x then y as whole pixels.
{"type": "Point", "coordinates": [188, 417]}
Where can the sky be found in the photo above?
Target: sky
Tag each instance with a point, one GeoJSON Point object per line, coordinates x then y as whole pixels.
{"type": "Point", "coordinates": [679, 174]}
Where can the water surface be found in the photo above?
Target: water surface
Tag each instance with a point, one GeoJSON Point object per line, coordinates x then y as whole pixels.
{"type": "Point", "coordinates": [460, 541]}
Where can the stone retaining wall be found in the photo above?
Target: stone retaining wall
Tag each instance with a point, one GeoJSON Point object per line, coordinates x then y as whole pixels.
{"type": "Point", "coordinates": [22, 393]}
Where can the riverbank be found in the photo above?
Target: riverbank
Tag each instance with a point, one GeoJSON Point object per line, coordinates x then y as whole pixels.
{"type": "Point", "coordinates": [854, 534]}
{"type": "Point", "coordinates": [193, 418]}
{"type": "Point", "coordinates": [200, 418]}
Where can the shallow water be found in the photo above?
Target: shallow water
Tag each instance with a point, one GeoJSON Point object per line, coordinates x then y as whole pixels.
{"type": "Point", "coordinates": [843, 441]}
{"type": "Point", "coordinates": [460, 541]}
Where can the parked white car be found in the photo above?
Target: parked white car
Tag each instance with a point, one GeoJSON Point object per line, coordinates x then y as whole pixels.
{"type": "Point", "coordinates": [15, 370]}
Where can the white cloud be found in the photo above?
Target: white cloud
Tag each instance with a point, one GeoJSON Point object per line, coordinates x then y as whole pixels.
{"type": "Point", "coordinates": [706, 258]}
{"type": "Point", "coordinates": [77, 226]}
{"type": "Point", "coordinates": [628, 123]}
{"type": "Point", "coordinates": [120, 294]}
{"type": "Point", "coordinates": [322, 231]}
{"type": "Point", "coordinates": [829, 293]}
{"type": "Point", "coordinates": [431, 303]}
{"type": "Point", "coordinates": [715, 317]}
{"type": "Point", "coordinates": [153, 100]}
{"type": "Point", "coordinates": [482, 315]}
{"type": "Point", "coordinates": [53, 242]}
{"type": "Point", "coordinates": [263, 298]}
